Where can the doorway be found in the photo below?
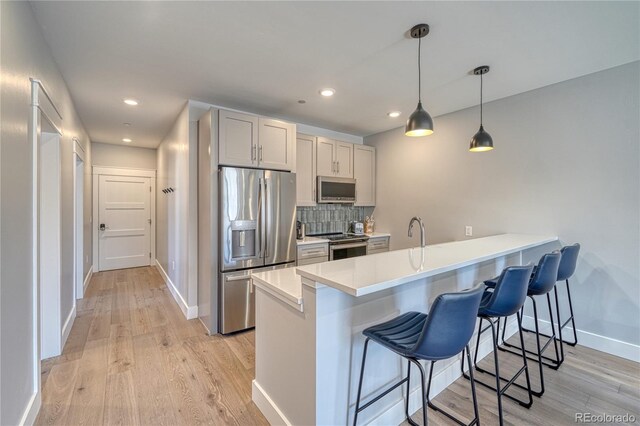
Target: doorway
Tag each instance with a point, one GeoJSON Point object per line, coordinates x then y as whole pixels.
{"type": "Point", "coordinates": [124, 218]}
{"type": "Point", "coordinates": [50, 246]}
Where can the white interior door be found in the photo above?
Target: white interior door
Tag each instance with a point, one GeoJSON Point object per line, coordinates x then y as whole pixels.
{"type": "Point", "coordinates": [124, 222]}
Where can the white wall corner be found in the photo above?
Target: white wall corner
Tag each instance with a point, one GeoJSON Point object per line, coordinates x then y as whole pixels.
{"type": "Point", "coordinates": [87, 279]}
{"type": "Point", "coordinates": [190, 312]}
{"type": "Point", "coordinates": [68, 324]}
{"type": "Point", "coordinates": [31, 410]}
{"type": "Point", "coordinates": [590, 340]}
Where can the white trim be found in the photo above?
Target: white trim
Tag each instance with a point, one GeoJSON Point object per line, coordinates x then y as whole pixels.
{"type": "Point", "coordinates": [37, 112]}
{"type": "Point", "coordinates": [121, 171]}
{"type": "Point", "coordinates": [87, 279]}
{"type": "Point", "coordinates": [190, 312]}
{"type": "Point", "coordinates": [591, 340]}
{"type": "Point", "coordinates": [266, 405]}
{"type": "Point", "coordinates": [31, 411]}
{"type": "Point", "coordinates": [68, 324]}
{"type": "Point", "coordinates": [78, 293]}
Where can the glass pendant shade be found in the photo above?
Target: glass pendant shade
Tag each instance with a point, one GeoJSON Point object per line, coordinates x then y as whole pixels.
{"type": "Point", "coordinates": [481, 141]}
{"type": "Point", "coordinates": [419, 123]}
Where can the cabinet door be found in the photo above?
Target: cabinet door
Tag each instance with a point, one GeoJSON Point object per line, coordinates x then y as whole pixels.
{"type": "Point", "coordinates": [305, 170]}
{"type": "Point", "coordinates": [276, 144]}
{"type": "Point", "coordinates": [325, 157]}
{"type": "Point", "coordinates": [344, 159]}
{"type": "Point", "coordinates": [238, 139]}
{"type": "Point", "coordinates": [364, 172]}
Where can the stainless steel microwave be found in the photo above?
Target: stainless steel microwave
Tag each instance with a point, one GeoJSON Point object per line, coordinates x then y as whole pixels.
{"type": "Point", "coordinates": [336, 190]}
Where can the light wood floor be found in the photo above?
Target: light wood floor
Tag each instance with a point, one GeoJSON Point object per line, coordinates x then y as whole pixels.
{"type": "Point", "coordinates": [132, 358]}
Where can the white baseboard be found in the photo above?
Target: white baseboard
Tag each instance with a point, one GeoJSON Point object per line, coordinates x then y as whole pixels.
{"type": "Point", "coordinates": [66, 328]}
{"type": "Point", "coordinates": [266, 405]}
{"type": "Point", "coordinates": [591, 340]}
{"type": "Point", "coordinates": [31, 410]}
{"type": "Point", "coordinates": [87, 279]}
{"type": "Point", "coordinates": [190, 312]}
{"type": "Point", "coordinates": [441, 380]}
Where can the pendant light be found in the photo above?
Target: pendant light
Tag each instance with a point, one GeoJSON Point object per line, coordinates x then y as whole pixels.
{"type": "Point", "coordinates": [419, 122]}
{"type": "Point", "coordinates": [482, 140]}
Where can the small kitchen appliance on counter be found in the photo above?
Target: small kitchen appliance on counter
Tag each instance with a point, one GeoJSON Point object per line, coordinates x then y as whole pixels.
{"type": "Point", "coordinates": [357, 228]}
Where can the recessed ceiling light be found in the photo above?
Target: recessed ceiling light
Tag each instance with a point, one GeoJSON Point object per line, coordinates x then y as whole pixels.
{"type": "Point", "coordinates": [394, 114]}
{"type": "Point", "coordinates": [127, 140]}
{"type": "Point", "coordinates": [127, 124]}
{"type": "Point", "coordinates": [132, 102]}
{"type": "Point", "coordinates": [302, 101]}
{"type": "Point", "coordinates": [327, 92]}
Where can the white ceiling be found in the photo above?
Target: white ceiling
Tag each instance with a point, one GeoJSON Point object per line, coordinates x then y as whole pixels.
{"type": "Point", "coordinates": [264, 56]}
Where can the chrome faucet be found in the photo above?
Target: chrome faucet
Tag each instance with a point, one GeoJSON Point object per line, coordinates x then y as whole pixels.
{"type": "Point", "coordinates": [422, 237]}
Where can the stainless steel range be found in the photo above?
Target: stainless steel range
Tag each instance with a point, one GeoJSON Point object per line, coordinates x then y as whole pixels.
{"type": "Point", "coordinates": [342, 246]}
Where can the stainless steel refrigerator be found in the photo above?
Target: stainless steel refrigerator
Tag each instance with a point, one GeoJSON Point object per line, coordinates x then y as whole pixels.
{"type": "Point", "coordinates": [257, 232]}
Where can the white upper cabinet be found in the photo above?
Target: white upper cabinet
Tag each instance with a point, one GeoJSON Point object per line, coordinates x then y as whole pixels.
{"type": "Point", "coordinates": [325, 157]}
{"type": "Point", "coordinates": [364, 171]}
{"type": "Point", "coordinates": [250, 141]}
{"type": "Point", "coordinates": [334, 158]}
{"type": "Point", "coordinates": [306, 170]}
{"type": "Point", "coordinates": [344, 159]}
{"type": "Point", "coordinates": [238, 139]}
{"type": "Point", "coordinates": [276, 144]}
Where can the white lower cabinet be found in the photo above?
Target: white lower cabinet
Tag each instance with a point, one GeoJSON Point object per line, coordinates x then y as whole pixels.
{"type": "Point", "coordinates": [312, 253]}
{"type": "Point", "coordinates": [377, 245]}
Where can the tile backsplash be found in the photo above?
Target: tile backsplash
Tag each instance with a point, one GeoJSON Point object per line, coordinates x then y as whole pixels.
{"type": "Point", "coordinates": [325, 218]}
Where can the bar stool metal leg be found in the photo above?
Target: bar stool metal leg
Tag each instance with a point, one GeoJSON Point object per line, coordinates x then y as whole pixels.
{"type": "Point", "coordinates": [476, 420]}
{"type": "Point", "coordinates": [498, 388]}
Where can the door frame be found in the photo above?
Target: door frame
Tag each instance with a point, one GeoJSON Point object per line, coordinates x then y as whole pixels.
{"type": "Point", "coordinates": [42, 109]}
{"type": "Point", "coordinates": [121, 171]}
{"type": "Point", "coordinates": [78, 223]}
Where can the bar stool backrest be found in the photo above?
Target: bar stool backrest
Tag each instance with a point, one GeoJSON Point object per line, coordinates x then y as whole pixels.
{"type": "Point", "coordinates": [568, 261]}
{"type": "Point", "coordinates": [450, 324]}
{"type": "Point", "coordinates": [510, 292]}
{"type": "Point", "coordinates": [546, 274]}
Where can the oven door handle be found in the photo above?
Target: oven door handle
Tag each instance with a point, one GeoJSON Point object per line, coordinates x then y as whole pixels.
{"type": "Point", "coordinates": [347, 246]}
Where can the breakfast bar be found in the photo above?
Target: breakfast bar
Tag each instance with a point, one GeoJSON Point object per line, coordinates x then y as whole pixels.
{"type": "Point", "coordinates": [309, 323]}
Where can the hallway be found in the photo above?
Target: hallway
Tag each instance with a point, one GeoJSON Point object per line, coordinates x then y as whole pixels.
{"type": "Point", "coordinates": [132, 358]}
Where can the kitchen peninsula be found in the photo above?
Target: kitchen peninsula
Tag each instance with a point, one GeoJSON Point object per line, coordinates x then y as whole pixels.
{"type": "Point", "coordinates": [309, 323]}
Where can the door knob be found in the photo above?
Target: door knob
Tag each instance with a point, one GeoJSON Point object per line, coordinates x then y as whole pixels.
{"type": "Point", "coordinates": [103, 226]}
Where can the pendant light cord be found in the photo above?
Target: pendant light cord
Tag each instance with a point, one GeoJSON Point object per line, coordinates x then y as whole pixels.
{"type": "Point", "coordinates": [419, 71]}
{"type": "Point", "coordinates": [480, 100]}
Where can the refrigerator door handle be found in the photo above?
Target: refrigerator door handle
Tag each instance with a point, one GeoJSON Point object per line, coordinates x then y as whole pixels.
{"type": "Point", "coordinates": [265, 221]}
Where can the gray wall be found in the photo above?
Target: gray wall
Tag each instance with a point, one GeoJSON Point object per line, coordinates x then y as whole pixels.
{"type": "Point", "coordinates": [172, 209]}
{"type": "Point", "coordinates": [127, 156]}
{"type": "Point", "coordinates": [25, 54]}
{"type": "Point", "coordinates": [566, 162]}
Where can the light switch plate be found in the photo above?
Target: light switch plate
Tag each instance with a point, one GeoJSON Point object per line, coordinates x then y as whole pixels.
{"type": "Point", "coordinates": [468, 231]}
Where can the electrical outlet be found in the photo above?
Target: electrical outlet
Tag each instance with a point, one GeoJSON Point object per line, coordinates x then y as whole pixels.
{"type": "Point", "coordinates": [173, 265]}
{"type": "Point", "coordinates": [468, 231]}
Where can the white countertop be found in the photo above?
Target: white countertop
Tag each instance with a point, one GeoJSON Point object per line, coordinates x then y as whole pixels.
{"type": "Point", "coordinates": [311, 240]}
{"type": "Point", "coordinates": [285, 284]}
{"type": "Point", "coordinates": [379, 234]}
{"type": "Point", "coordinates": [363, 275]}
